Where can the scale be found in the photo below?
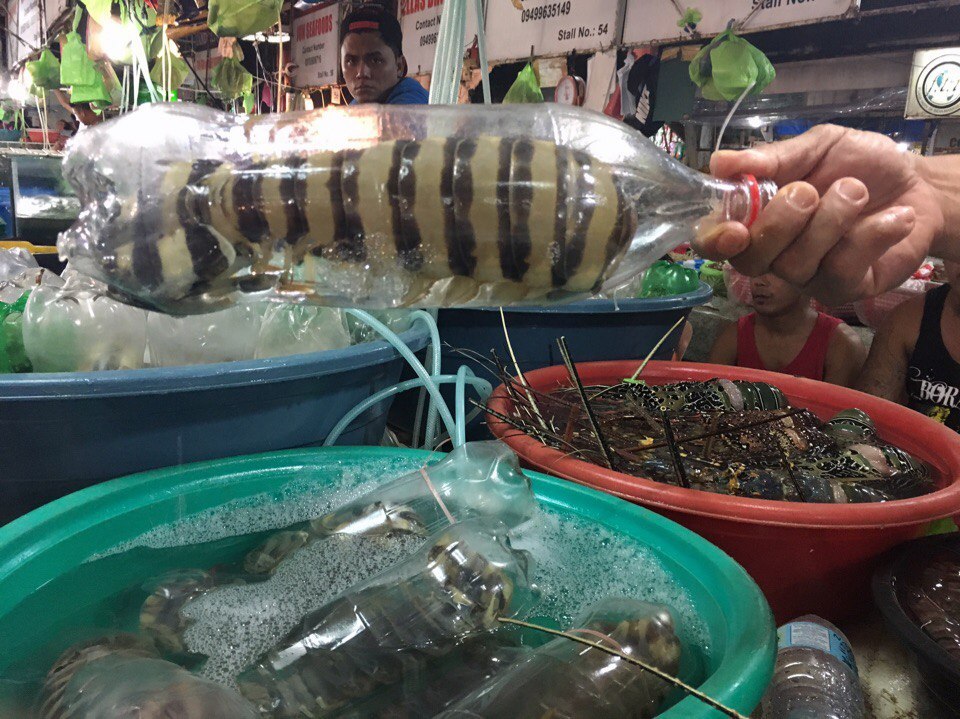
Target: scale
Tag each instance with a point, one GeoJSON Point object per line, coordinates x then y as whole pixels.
{"type": "Point", "coordinates": [571, 90]}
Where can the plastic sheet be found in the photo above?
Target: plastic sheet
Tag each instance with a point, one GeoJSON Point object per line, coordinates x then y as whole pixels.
{"type": "Point", "coordinates": [118, 687]}
{"type": "Point", "coordinates": [77, 328]}
{"type": "Point", "coordinates": [565, 680]}
{"type": "Point", "coordinates": [479, 479]}
{"type": "Point", "coordinates": [293, 329]}
{"type": "Point", "coordinates": [380, 206]}
{"type": "Point", "coordinates": [454, 589]}
{"type": "Point", "coordinates": [223, 336]}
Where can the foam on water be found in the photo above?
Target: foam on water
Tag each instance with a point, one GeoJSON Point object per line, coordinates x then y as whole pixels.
{"type": "Point", "coordinates": [578, 563]}
{"type": "Point", "coordinates": [234, 625]}
{"type": "Point", "coordinates": [296, 499]}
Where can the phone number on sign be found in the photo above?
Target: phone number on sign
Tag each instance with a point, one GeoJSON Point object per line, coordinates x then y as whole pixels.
{"type": "Point", "coordinates": [542, 12]}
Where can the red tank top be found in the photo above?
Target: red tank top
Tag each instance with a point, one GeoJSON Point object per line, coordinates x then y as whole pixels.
{"type": "Point", "coordinates": [809, 362]}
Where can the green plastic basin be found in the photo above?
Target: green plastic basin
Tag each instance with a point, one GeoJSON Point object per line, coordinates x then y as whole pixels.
{"type": "Point", "coordinates": [47, 545]}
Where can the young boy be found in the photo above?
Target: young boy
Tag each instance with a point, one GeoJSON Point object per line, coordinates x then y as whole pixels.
{"type": "Point", "coordinates": [915, 357]}
{"type": "Point", "coordinates": [785, 334]}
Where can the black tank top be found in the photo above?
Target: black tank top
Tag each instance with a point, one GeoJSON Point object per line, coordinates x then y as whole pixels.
{"type": "Point", "coordinates": [933, 376]}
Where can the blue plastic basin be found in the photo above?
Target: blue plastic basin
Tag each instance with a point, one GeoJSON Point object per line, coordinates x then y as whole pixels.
{"type": "Point", "coordinates": [595, 330]}
{"type": "Point", "coordinates": [62, 432]}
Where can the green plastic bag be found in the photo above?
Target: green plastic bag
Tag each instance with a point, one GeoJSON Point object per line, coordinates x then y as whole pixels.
{"type": "Point", "coordinates": [231, 78]}
{"type": "Point", "coordinates": [526, 88]}
{"type": "Point", "coordinates": [237, 18]}
{"type": "Point", "coordinates": [96, 92]}
{"type": "Point", "coordinates": [13, 356]}
{"type": "Point", "coordinates": [99, 10]}
{"type": "Point", "coordinates": [729, 65]}
{"type": "Point", "coordinates": [665, 279]}
{"type": "Point", "coordinates": [76, 67]}
{"type": "Point", "coordinates": [45, 72]}
{"type": "Point", "coordinates": [178, 72]}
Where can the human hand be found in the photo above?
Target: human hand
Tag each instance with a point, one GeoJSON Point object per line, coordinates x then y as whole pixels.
{"type": "Point", "coordinates": [854, 217]}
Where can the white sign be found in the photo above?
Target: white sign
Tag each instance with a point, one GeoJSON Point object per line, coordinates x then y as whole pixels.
{"type": "Point", "coordinates": [934, 89]}
{"type": "Point", "coordinates": [420, 21]}
{"type": "Point", "coordinates": [23, 17]}
{"type": "Point", "coordinates": [53, 9]}
{"type": "Point", "coordinates": [551, 28]}
{"type": "Point", "coordinates": [203, 62]}
{"type": "Point", "coordinates": [315, 46]}
{"type": "Point", "coordinates": [656, 20]}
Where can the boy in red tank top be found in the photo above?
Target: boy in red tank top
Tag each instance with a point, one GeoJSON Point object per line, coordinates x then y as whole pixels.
{"type": "Point", "coordinates": [785, 334]}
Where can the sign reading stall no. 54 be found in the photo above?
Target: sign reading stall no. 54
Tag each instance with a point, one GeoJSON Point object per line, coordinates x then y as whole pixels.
{"type": "Point", "coordinates": [552, 27]}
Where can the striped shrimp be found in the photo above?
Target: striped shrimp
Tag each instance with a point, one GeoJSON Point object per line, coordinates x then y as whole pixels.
{"type": "Point", "coordinates": [380, 207]}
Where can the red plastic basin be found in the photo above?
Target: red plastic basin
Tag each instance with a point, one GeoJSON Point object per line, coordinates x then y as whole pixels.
{"type": "Point", "coordinates": [806, 557]}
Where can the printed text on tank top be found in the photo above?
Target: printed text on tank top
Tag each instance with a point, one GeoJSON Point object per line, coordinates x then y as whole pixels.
{"type": "Point", "coordinates": [933, 372]}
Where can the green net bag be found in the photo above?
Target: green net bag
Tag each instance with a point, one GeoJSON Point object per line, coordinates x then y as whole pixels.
{"type": "Point", "coordinates": [526, 88]}
{"type": "Point", "coordinates": [237, 18]}
{"type": "Point", "coordinates": [177, 70]}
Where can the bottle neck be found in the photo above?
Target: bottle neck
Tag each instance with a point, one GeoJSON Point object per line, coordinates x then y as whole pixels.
{"type": "Point", "coordinates": [743, 199]}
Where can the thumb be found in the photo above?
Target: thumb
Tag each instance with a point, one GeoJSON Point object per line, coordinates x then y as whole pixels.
{"type": "Point", "coordinates": [783, 162]}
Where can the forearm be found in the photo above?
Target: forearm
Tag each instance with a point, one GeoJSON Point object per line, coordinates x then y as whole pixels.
{"type": "Point", "coordinates": [943, 174]}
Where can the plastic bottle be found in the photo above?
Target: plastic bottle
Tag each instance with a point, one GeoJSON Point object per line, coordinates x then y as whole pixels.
{"type": "Point", "coordinates": [816, 674]}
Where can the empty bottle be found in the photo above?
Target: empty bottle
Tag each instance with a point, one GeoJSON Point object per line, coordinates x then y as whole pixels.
{"type": "Point", "coordinates": [816, 674]}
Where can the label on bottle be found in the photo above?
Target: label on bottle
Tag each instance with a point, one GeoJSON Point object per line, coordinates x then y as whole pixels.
{"type": "Point", "coordinates": [816, 636]}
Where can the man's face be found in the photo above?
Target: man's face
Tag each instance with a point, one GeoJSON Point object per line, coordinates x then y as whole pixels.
{"type": "Point", "coordinates": [370, 67]}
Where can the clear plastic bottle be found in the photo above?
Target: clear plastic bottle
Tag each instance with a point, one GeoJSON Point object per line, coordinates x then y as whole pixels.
{"type": "Point", "coordinates": [816, 674]}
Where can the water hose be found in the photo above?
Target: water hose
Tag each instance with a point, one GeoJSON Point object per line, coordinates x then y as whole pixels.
{"type": "Point", "coordinates": [415, 364]}
{"type": "Point", "coordinates": [482, 386]}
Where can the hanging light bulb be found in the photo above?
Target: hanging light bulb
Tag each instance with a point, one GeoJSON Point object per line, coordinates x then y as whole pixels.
{"type": "Point", "coordinates": [116, 39]}
{"type": "Point", "coordinates": [18, 90]}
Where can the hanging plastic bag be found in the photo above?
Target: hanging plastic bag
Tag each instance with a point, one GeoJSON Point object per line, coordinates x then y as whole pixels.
{"type": "Point", "coordinates": [95, 93]}
{"type": "Point", "coordinates": [77, 328]}
{"type": "Point", "coordinates": [526, 88]}
{"type": "Point", "coordinates": [564, 678]}
{"type": "Point", "coordinates": [238, 18]}
{"type": "Point", "coordinates": [76, 67]}
{"type": "Point", "coordinates": [231, 78]}
{"type": "Point", "coordinates": [452, 590]}
{"type": "Point", "coordinates": [224, 336]}
{"type": "Point", "coordinates": [177, 71]}
{"type": "Point", "coordinates": [295, 329]}
{"type": "Point", "coordinates": [44, 72]}
{"type": "Point", "coordinates": [728, 66]}
{"type": "Point", "coordinates": [99, 10]}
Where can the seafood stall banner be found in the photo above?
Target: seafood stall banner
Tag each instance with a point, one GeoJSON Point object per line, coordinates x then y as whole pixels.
{"type": "Point", "coordinates": [657, 20]}
{"type": "Point", "coordinates": [550, 28]}
{"type": "Point", "coordinates": [315, 46]}
{"type": "Point", "coordinates": [420, 21]}
{"type": "Point", "coordinates": [23, 17]}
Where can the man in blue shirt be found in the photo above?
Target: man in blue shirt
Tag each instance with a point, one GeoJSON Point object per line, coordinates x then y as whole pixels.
{"type": "Point", "coordinates": [371, 58]}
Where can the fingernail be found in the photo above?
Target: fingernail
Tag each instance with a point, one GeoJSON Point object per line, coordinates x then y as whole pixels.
{"type": "Point", "coordinates": [851, 190]}
{"type": "Point", "coordinates": [801, 198]}
{"type": "Point", "coordinates": [904, 215]}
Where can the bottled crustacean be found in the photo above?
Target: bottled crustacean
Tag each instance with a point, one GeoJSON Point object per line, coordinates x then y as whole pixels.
{"type": "Point", "coordinates": [121, 677]}
{"type": "Point", "coordinates": [452, 590]}
{"type": "Point", "coordinates": [476, 480]}
{"type": "Point", "coordinates": [381, 206]}
{"type": "Point", "coordinates": [567, 680]}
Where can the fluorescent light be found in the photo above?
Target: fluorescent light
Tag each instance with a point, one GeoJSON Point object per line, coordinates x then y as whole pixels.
{"type": "Point", "coordinates": [18, 90]}
{"type": "Point", "coordinates": [116, 39]}
{"type": "Point", "coordinates": [755, 122]}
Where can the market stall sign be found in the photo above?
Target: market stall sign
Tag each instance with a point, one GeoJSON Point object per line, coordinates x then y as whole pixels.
{"type": "Point", "coordinates": [23, 18]}
{"type": "Point", "coordinates": [315, 46]}
{"type": "Point", "coordinates": [934, 90]}
{"type": "Point", "coordinates": [550, 28]}
{"type": "Point", "coordinates": [420, 22]}
{"type": "Point", "coordinates": [661, 20]}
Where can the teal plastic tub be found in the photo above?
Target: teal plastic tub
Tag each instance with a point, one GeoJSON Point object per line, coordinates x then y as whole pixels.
{"type": "Point", "coordinates": [41, 604]}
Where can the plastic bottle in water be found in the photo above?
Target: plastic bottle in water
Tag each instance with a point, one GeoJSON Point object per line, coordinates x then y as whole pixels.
{"type": "Point", "coordinates": [816, 674]}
